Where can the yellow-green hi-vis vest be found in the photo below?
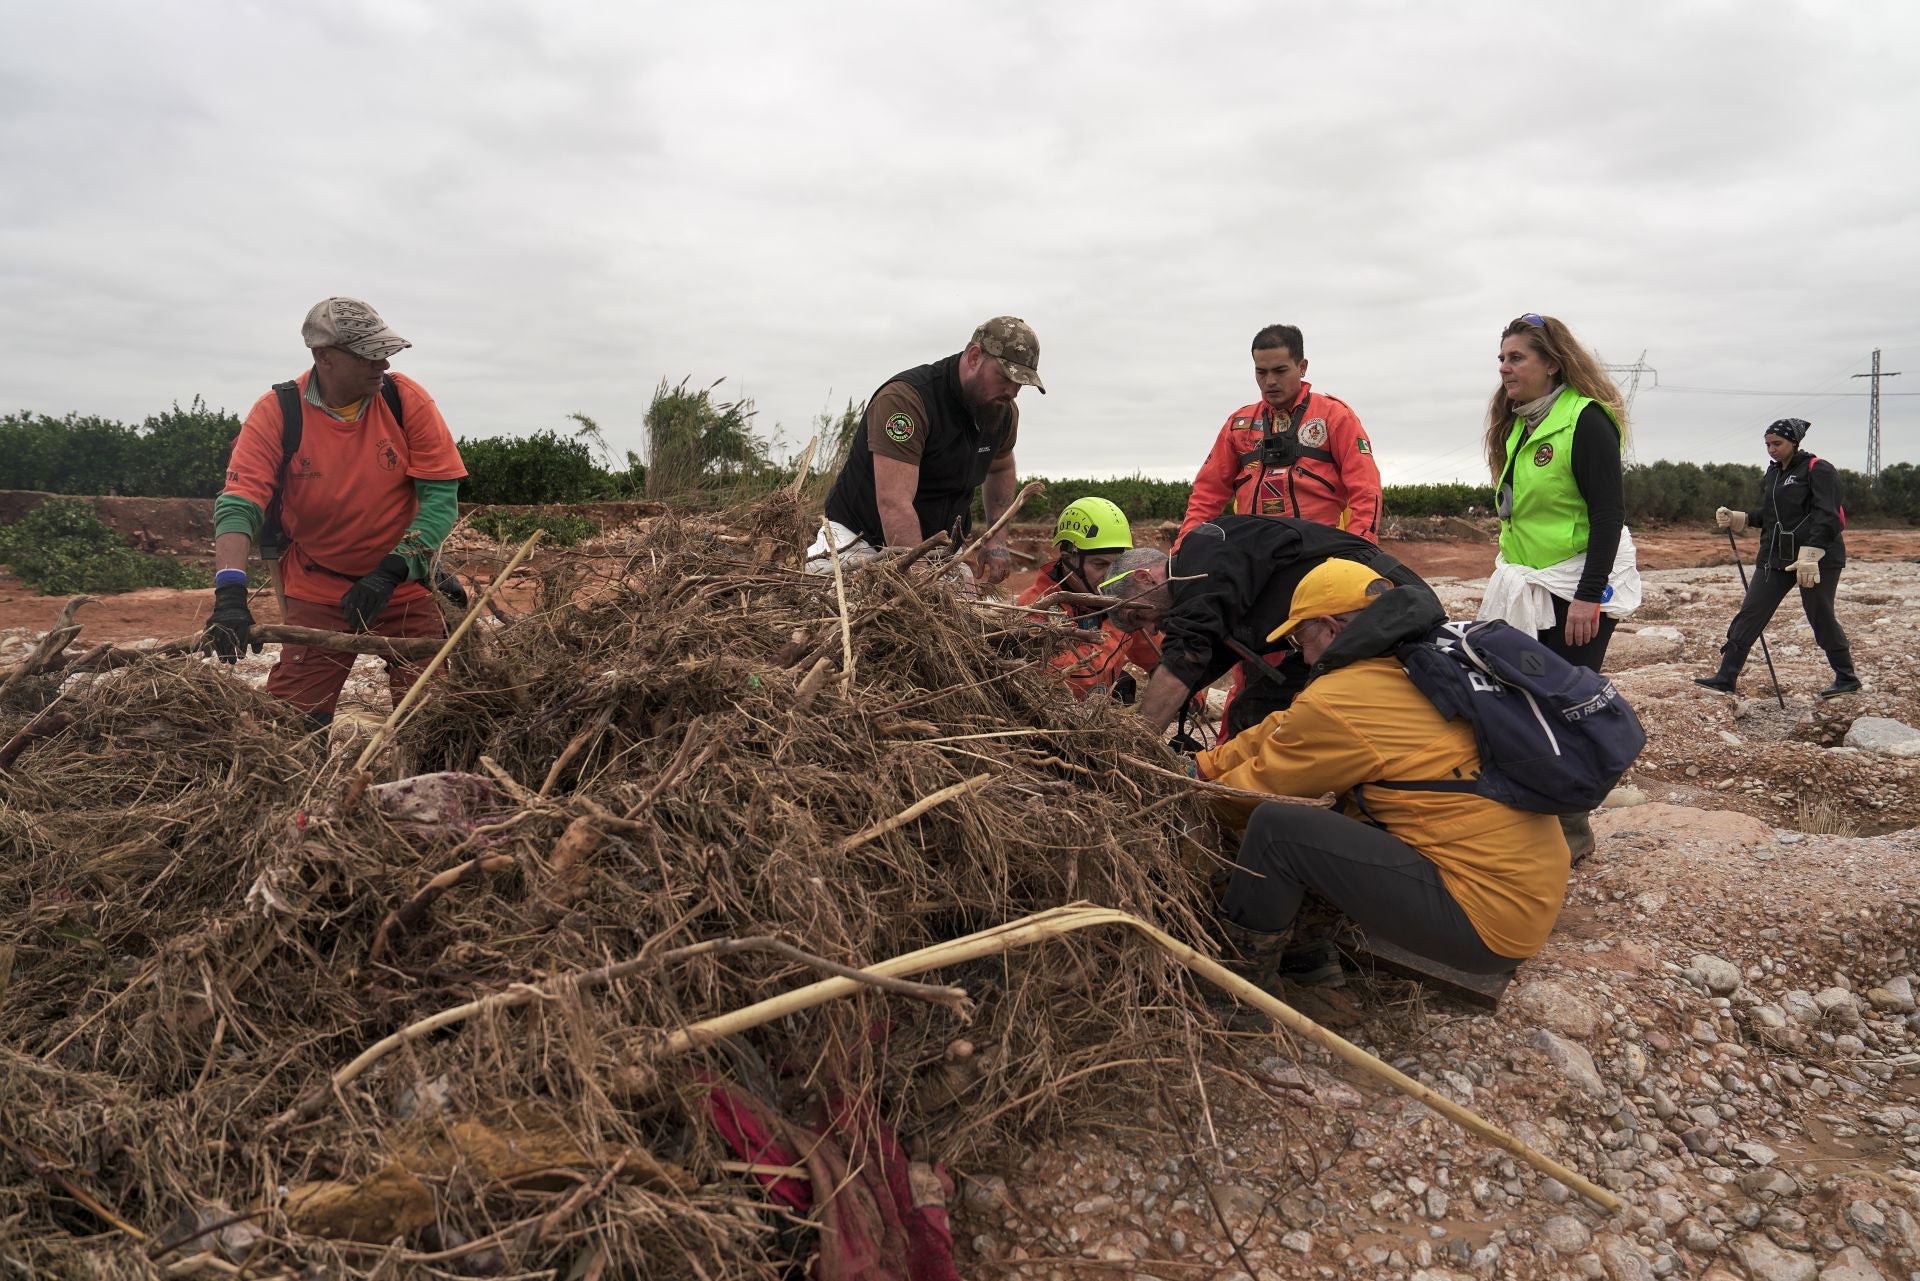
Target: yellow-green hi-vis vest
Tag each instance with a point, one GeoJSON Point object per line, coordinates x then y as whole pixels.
{"type": "Point", "coordinates": [1548, 523]}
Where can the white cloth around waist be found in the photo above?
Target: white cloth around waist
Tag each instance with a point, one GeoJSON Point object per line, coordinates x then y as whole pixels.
{"type": "Point", "coordinates": [1523, 596]}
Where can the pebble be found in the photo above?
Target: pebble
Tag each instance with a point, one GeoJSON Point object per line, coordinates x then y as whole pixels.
{"type": "Point", "coordinates": [1566, 1234]}
{"type": "Point", "coordinates": [1851, 1264]}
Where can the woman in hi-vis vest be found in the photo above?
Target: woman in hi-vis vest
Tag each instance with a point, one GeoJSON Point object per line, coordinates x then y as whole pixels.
{"type": "Point", "coordinates": [1565, 571]}
{"type": "Point", "coordinates": [1555, 433]}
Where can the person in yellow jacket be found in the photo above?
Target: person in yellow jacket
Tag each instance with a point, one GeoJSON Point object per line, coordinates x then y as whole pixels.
{"type": "Point", "coordinates": [1449, 875]}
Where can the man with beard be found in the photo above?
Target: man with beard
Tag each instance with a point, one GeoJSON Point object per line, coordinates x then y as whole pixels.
{"type": "Point", "coordinates": [932, 436]}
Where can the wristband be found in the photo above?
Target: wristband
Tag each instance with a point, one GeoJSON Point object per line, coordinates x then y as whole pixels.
{"type": "Point", "coordinates": [230, 578]}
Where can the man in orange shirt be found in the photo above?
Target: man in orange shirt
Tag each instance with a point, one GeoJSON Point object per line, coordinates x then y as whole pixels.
{"type": "Point", "coordinates": [355, 468]}
{"type": "Point", "coordinates": [1294, 452]}
{"type": "Point", "coordinates": [1414, 857]}
{"type": "Point", "coordinates": [1088, 538]}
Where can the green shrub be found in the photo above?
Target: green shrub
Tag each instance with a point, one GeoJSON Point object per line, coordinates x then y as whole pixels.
{"type": "Point", "coordinates": [61, 547]}
{"type": "Point", "coordinates": [542, 468]}
{"type": "Point", "coordinates": [518, 526]}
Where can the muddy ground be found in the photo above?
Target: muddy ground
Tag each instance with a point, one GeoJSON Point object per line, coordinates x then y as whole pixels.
{"type": "Point", "coordinates": [1721, 1031]}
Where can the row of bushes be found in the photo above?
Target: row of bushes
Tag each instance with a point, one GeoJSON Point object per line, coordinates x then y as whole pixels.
{"type": "Point", "coordinates": [699, 445]}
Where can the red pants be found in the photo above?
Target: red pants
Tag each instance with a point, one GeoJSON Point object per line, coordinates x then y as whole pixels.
{"type": "Point", "coordinates": [311, 678]}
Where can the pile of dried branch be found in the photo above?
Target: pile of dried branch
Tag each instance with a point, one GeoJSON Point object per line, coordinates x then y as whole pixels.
{"type": "Point", "coordinates": [205, 921]}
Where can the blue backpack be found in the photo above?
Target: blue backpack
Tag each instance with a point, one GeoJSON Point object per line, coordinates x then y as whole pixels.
{"type": "Point", "coordinates": [1553, 738]}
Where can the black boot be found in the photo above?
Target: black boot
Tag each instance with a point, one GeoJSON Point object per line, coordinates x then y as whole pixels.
{"type": "Point", "coordinates": [1719, 680]}
{"type": "Point", "coordinates": [1844, 681]}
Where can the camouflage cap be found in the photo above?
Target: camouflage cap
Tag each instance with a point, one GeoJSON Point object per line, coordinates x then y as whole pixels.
{"type": "Point", "coordinates": [1010, 340]}
{"type": "Point", "coordinates": [351, 324]}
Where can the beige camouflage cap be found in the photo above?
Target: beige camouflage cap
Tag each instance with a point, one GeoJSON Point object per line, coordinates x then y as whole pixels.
{"type": "Point", "coordinates": [1010, 340]}
{"type": "Point", "coordinates": [350, 323]}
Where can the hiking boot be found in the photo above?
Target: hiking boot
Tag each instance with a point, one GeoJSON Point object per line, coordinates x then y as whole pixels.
{"type": "Point", "coordinates": [1718, 681]}
{"type": "Point", "coordinates": [1578, 829]}
{"type": "Point", "coordinates": [1314, 964]}
{"type": "Point", "coordinates": [1847, 684]}
{"type": "Point", "coordinates": [1252, 954]}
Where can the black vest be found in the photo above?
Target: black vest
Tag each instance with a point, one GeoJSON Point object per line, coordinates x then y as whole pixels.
{"type": "Point", "coordinates": [953, 462]}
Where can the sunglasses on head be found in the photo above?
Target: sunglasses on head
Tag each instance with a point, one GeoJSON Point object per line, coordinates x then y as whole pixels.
{"type": "Point", "coordinates": [1532, 319]}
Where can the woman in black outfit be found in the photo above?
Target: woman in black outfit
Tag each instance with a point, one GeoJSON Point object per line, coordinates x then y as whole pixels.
{"type": "Point", "coordinates": [1799, 519]}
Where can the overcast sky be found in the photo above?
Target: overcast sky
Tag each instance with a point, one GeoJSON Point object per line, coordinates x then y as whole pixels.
{"type": "Point", "coordinates": [561, 204]}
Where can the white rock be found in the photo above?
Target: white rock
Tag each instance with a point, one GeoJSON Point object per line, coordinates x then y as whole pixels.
{"type": "Point", "coordinates": [1765, 1261]}
{"type": "Point", "coordinates": [1720, 977]}
{"type": "Point", "coordinates": [1572, 1059]}
{"type": "Point", "coordinates": [1851, 1264]}
{"type": "Point", "coordinates": [1557, 1008]}
{"type": "Point", "coordinates": [1893, 997]}
{"type": "Point", "coordinates": [1885, 736]}
{"type": "Point", "coordinates": [1566, 1234]}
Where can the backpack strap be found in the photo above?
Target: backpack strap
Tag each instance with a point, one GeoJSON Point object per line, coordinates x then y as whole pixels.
{"type": "Point", "coordinates": [390, 392]}
{"type": "Point", "coordinates": [292, 424]}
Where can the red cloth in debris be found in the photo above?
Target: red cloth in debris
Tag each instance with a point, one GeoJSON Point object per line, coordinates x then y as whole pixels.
{"type": "Point", "coordinates": [872, 1226]}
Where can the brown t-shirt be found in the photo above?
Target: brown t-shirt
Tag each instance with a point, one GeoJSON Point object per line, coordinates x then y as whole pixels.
{"type": "Point", "coordinates": [897, 425]}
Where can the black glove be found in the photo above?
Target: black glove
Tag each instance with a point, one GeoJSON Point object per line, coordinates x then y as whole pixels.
{"type": "Point", "coordinates": [1125, 690]}
{"type": "Point", "coordinates": [1186, 744]}
{"type": "Point", "coordinates": [229, 627]}
{"type": "Point", "coordinates": [449, 586]}
{"type": "Point", "coordinates": [365, 600]}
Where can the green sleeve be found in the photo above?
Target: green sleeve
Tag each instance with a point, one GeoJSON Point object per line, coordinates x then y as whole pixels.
{"type": "Point", "coordinates": [439, 508]}
{"type": "Point", "coordinates": [233, 514]}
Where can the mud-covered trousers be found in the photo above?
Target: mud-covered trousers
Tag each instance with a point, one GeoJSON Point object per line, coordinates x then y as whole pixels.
{"type": "Point", "coordinates": [1380, 883]}
{"type": "Point", "coordinates": [1765, 590]}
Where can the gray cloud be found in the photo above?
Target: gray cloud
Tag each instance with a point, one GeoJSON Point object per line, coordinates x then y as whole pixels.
{"type": "Point", "coordinates": [562, 204]}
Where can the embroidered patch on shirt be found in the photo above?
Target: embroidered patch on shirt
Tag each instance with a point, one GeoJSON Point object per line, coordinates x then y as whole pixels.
{"type": "Point", "coordinates": [900, 429]}
{"type": "Point", "coordinates": [1543, 455]}
{"type": "Point", "coordinates": [1364, 445]}
{"type": "Point", "coordinates": [1313, 433]}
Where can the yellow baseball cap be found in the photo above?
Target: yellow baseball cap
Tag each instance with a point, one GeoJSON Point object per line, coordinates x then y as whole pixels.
{"type": "Point", "coordinates": [1331, 587]}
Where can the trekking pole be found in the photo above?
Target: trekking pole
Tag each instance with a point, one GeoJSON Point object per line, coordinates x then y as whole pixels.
{"type": "Point", "coordinates": [1764, 651]}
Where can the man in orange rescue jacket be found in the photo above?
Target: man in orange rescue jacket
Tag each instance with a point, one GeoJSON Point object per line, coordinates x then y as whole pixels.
{"type": "Point", "coordinates": [1294, 452]}
{"type": "Point", "coordinates": [1090, 536]}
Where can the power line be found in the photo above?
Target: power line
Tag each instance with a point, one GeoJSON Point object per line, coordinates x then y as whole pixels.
{"type": "Point", "coordinates": [1778, 395]}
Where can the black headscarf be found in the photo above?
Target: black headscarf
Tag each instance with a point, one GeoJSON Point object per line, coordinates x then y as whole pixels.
{"type": "Point", "coordinates": [1789, 429]}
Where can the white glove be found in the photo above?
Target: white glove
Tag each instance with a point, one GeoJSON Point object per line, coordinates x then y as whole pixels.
{"type": "Point", "coordinates": [1726, 518]}
{"type": "Point", "coordinates": [1807, 567]}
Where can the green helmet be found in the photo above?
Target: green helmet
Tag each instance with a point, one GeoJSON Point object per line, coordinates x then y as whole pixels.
{"type": "Point", "coordinates": [1094, 525]}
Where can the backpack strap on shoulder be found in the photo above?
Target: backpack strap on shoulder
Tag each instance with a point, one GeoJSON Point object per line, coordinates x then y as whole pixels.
{"type": "Point", "coordinates": [292, 421]}
{"type": "Point", "coordinates": [390, 392]}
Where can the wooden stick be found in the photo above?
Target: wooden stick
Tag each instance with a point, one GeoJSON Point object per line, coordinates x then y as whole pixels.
{"type": "Point", "coordinates": [1061, 921]}
{"type": "Point", "coordinates": [840, 594]}
{"type": "Point", "coordinates": [40, 659]}
{"type": "Point", "coordinates": [922, 548]}
{"type": "Point", "coordinates": [45, 725]}
{"type": "Point", "coordinates": [952, 998]}
{"type": "Point", "coordinates": [409, 914]}
{"type": "Point", "coordinates": [1006, 517]}
{"type": "Point", "coordinates": [800, 473]}
{"type": "Point", "coordinates": [399, 713]}
{"type": "Point", "coordinates": [914, 811]}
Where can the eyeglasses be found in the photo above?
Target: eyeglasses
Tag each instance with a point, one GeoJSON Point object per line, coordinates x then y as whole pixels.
{"type": "Point", "coordinates": [1532, 319]}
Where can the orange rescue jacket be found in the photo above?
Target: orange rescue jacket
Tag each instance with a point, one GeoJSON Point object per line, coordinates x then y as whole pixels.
{"type": "Point", "coordinates": [1331, 478]}
{"type": "Point", "coordinates": [1091, 664]}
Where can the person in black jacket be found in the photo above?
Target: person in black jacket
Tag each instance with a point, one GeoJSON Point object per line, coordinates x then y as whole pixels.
{"type": "Point", "coordinates": [1799, 519]}
{"type": "Point", "coordinates": [1230, 583]}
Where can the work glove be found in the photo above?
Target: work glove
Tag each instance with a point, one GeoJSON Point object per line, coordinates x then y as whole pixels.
{"type": "Point", "coordinates": [366, 599]}
{"type": "Point", "coordinates": [1807, 566]}
{"type": "Point", "coordinates": [449, 586]}
{"type": "Point", "coordinates": [230, 626]}
{"type": "Point", "coordinates": [1729, 519]}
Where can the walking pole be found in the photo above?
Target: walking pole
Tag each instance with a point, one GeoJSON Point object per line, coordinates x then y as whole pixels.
{"type": "Point", "coordinates": [1764, 651]}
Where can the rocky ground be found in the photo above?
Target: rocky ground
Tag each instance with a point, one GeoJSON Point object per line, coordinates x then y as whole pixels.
{"type": "Point", "coordinates": [1722, 1029]}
